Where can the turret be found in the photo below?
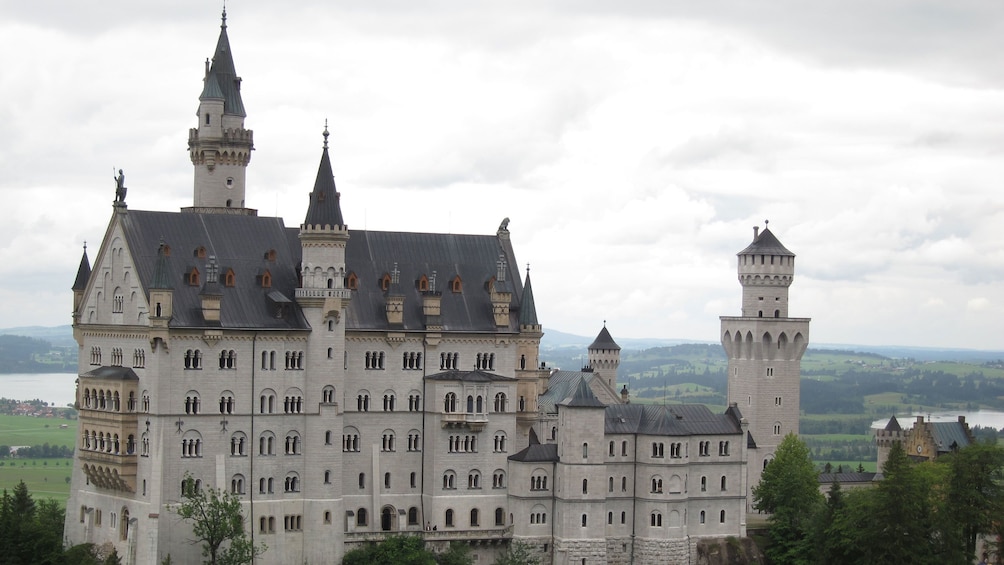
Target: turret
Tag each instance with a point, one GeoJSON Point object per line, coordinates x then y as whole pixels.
{"type": "Point", "coordinates": [766, 270]}
{"type": "Point", "coordinates": [220, 147]}
{"type": "Point", "coordinates": [80, 283]}
{"type": "Point", "coordinates": [765, 347]}
{"type": "Point", "coordinates": [605, 357]}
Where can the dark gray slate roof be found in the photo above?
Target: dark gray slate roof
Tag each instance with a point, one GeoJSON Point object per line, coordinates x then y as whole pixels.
{"type": "Point", "coordinates": [949, 435]}
{"type": "Point", "coordinates": [83, 272]}
{"type": "Point", "coordinates": [559, 386]}
{"type": "Point", "coordinates": [476, 376]}
{"type": "Point", "coordinates": [893, 425]}
{"type": "Point", "coordinates": [581, 396]}
{"type": "Point", "coordinates": [671, 420]}
{"type": "Point", "coordinates": [222, 81]}
{"type": "Point", "coordinates": [239, 243]}
{"type": "Point", "coordinates": [324, 208]}
{"type": "Point", "coordinates": [766, 243]}
{"type": "Point", "coordinates": [547, 452]}
{"type": "Point", "coordinates": [528, 310]}
{"type": "Point", "coordinates": [604, 341]}
{"type": "Point", "coordinates": [112, 374]}
{"type": "Point", "coordinates": [371, 255]}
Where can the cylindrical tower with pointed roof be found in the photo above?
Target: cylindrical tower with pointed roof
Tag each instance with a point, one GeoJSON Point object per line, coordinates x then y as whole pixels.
{"type": "Point", "coordinates": [220, 147]}
{"type": "Point", "coordinates": [605, 357]}
{"type": "Point", "coordinates": [765, 346]}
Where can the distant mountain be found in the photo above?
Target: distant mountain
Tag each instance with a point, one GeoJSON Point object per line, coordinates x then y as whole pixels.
{"type": "Point", "coordinates": [553, 339]}
{"type": "Point", "coordinates": [59, 336]}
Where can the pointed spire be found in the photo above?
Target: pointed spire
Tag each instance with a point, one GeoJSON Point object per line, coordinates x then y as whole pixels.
{"type": "Point", "coordinates": [83, 272]}
{"type": "Point", "coordinates": [582, 396]}
{"type": "Point", "coordinates": [162, 271]}
{"type": "Point", "coordinates": [604, 340]}
{"type": "Point", "coordinates": [222, 80]}
{"type": "Point", "coordinates": [324, 208]}
{"type": "Point", "coordinates": [527, 309]}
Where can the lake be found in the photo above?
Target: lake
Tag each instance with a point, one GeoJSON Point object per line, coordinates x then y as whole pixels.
{"type": "Point", "coordinates": [982, 418]}
{"type": "Point", "coordinates": [58, 389]}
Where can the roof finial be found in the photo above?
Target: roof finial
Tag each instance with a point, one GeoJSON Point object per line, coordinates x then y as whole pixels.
{"type": "Point", "coordinates": [85, 245]}
{"type": "Point", "coordinates": [325, 134]}
{"type": "Point", "coordinates": [224, 24]}
{"type": "Point", "coordinates": [604, 323]}
{"type": "Point", "coordinates": [528, 268]}
{"type": "Point", "coordinates": [765, 222]}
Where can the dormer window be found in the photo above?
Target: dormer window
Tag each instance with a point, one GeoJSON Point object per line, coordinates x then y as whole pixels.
{"type": "Point", "coordinates": [229, 279]}
{"type": "Point", "coordinates": [265, 279]}
{"type": "Point", "coordinates": [167, 250]}
{"type": "Point", "coordinates": [385, 282]}
{"type": "Point", "coordinates": [200, 252]}
{"type": "Point", "coordinates": [352, 282]}
{"type": "Point", "coordinates": [423, 283]}
{"type": "Point", "coordinates": [192, 277]}
{"type": "Point", "coordinates": [457, 285]}
{"type": "Point", "coordinates": [270, 255]}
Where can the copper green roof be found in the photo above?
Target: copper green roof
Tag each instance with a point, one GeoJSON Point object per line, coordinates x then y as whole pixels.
{"type": "Point", "coordinates": [766, 243]}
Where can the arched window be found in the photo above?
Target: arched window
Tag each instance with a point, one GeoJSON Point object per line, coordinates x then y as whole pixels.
{"type": "Point", "coordinates": [449, 518]}
{"type": "Point", "coordinates": [500, 402]}
{"type": "Point", "coordinates": [475, 515]}
{"type": "Point", "coordinates": [361, 518]}
{"type": "Point", "coordinates": [585, 450]}
{"type": "Point", "coordinates": [499, 517]}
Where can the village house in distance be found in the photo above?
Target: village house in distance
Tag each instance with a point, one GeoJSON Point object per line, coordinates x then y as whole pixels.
{"type": "Point", "coordinates": [353, 384]}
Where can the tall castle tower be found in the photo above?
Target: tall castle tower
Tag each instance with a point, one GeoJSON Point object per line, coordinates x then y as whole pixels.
{"type": "Point", "coordinates": [220, 147]}
{"type": "Point", "coordinates": [765, 346]}
{"type": "Point", "coordinates": [605, 357]}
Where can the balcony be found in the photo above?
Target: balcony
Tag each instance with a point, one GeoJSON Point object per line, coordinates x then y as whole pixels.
{"type": "Point", "coordinates": [462, 420]}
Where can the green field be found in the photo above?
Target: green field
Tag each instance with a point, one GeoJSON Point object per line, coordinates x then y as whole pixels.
{"type": "Point", "coordinates": [46, 478]}
{"type": "Point", "coordinates": [26, 430]}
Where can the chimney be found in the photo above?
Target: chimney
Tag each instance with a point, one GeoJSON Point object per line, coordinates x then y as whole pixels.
{"type": "Point", "coordinates": [756, 232]}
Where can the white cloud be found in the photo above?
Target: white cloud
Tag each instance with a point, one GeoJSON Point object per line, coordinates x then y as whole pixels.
{"type": "Point", "coordinates": [632, 145]}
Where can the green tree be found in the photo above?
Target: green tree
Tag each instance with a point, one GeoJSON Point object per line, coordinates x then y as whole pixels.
{"type": "Point", "coordinates": [518, 553]}
{"type": "Point", "coordinates": [902, 515]}
{"type": "Point", "coordinates": [975, 497]}
{"type": "Point", "coordinates": [789, 491]}
{"type": "Point", "coordinates": [459, 553]}
{"type": "Point", "coordinates": [395, 550]}
{"type": "Point", "coordinates": [218, 524]}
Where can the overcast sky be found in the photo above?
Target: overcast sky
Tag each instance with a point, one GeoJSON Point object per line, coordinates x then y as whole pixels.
{"type": "Point", "coordinates": [633, 145]}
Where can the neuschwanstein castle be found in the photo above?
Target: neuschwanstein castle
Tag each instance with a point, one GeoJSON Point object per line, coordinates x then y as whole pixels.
{"type": "Point", "coordinates": [351, 384]}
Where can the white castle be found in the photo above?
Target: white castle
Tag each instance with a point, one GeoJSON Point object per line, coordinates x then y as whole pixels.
{"type": "Point", "coordinates": [350, 384]}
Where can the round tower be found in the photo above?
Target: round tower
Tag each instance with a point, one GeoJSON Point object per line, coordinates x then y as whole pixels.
{"type": "Point", "coordinates": [765, 347]}
{"type": "Point", "coordinates": [605, 357]}
{"type": "Point", "coordinates": [220, 147]}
